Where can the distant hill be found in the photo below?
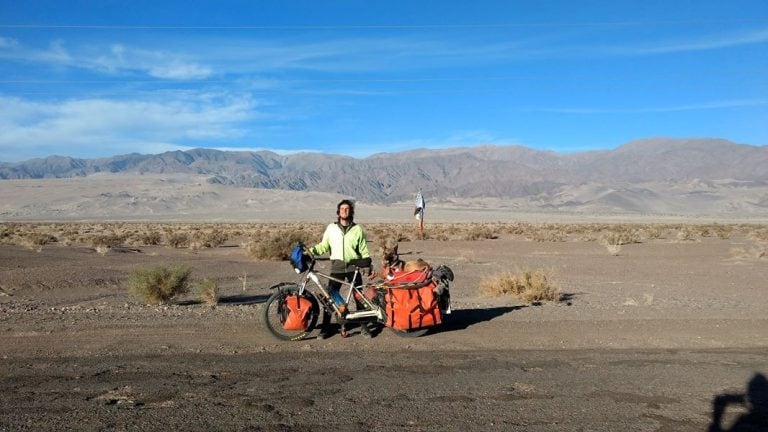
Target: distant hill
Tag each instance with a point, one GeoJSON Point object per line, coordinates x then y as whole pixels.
{"type": "Point", "coordinates": [647, 175]}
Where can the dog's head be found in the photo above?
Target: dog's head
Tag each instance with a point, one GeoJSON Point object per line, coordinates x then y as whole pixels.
{"type": "Point", "coordinates": [389, 254]}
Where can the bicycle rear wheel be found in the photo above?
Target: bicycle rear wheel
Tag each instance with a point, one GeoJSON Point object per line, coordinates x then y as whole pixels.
{"type": "Point", "coordinates": [276, 312]}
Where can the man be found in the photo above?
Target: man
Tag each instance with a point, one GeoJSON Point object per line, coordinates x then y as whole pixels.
{"type": "Point", "coordinates": [418, 212]}
{"type": "Point", "coordinates": [345, 240]}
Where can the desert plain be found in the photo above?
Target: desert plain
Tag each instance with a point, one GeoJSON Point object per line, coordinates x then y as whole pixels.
{"type": "Point", "coordinates": [661, 323]}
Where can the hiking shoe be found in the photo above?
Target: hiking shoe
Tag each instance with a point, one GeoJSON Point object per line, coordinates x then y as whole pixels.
{"type": "Point", "coordinates": [324, 334]}
{"type": "Point", "coordinates": [365, 331]}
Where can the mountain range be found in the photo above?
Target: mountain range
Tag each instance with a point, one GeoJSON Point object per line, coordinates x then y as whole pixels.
{"type": "Point", "coordinates": [643, 176]}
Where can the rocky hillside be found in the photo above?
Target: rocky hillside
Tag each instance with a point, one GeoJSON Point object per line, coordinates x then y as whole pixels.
{"type": "Point", "coordinates": [630, 177]}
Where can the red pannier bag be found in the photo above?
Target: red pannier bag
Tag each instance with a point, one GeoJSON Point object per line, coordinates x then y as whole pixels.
{"type": "Point", "coordinates": [296, 312]}
{"type": "Point", "coordinates": [411, 302]}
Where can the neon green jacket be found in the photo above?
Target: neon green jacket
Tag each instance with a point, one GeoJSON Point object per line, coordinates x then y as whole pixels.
{"type": "Point", "coordinates": [344, 245]}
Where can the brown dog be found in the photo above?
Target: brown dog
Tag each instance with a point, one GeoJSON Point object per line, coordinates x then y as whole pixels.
{"type": "Point", "coordinates": [391, 262]}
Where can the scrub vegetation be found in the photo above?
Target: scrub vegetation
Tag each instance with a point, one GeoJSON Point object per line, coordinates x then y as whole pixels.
{"type": "Point", "coordinates": [272, 241]}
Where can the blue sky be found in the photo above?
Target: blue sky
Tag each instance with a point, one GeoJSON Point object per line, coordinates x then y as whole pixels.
{"type": "Point", "coordinates": [99, 78]}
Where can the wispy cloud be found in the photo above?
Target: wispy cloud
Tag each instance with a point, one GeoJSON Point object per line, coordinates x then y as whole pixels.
{"type": "Point", "coordinates": [195, 58]}
{"type": "Point", "coordinates": [201, 57]}
{"type": "Point", "coordinates": [105, 127]}
{"type": "Point", "coordinates": [709, 42]}
{"type": "Point", "coordinates": [660, 45]}
{"type": "Point", "coordinates": [155, 63]}
{"type": "Point", "coordinates": [661, 109]}
{"type": "Point", "coordinates": [109, 59]}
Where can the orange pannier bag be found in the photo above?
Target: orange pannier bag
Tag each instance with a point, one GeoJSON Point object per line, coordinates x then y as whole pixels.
{"type": "Point", "coordinates": [296, 312]}
{"type": "Point", "coordinates": [411, 302]}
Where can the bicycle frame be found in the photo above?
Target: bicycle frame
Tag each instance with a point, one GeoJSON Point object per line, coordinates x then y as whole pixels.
{"type": "Point", "coordinates": [373, 311]}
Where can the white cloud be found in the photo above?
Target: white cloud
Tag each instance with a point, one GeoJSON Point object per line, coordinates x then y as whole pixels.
{"type": "Point", "coordinates": [100, 127]}
{"type": "Point", "coordinates": [156, 63]}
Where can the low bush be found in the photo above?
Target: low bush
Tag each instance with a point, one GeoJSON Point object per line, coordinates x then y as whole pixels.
{"type": "Point", "coordinates": [158, 285]}
{"type": "Point", "coordinates": [531, 286]}
{"type": "Point", "coordinates": [620, 237]}
{"type": "Point", "coordinates": [42, 239]}
{"type": "Point", "coordinates": [150, 238]}
{"type": "Point", "coordinates": [107, 240]}
{"type": "Point", "coordinates": [214, 238]}
{"type": "Point", "coordinates": [276, 245]}
{"type": "Point", "coordinates": [480, 233]}
{"type": "Point", "coordinates": [176, 240]}
{"type": "Point", "coordinates": [686, 234]}
{"type": "Point", "coordinates": [208, 292]}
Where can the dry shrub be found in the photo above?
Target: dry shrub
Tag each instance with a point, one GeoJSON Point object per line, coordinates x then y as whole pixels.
{"type": "Point", "coordinates": [176, 240]}
{"type": "Point", "coordinates": [480, 233]}
{"type": "Point", "coordinates": [210, 239]}
{"type": "Point", "coordinates": [723, 232]}
{"type": "Point", "coordinates": [440, 236]}
{"type": "Point", "coordinates": [547, 235]}
{"type": "Point", "coordinates": [6, 231]}
{"type": "Point", "coordinates": [614, 240]}
{"type": "Point", "coordinates": [613, 249]}
{"type": "Point", "coordinates": [107, 240]}
{"type": "Point", "coordinates": [620, 237]}
{"type": "Point", "coordinates": [531, 286]}
{"type": "Point", "coordinates": [150, 238]}
{"type": "Point", "coordinates": [41, 239]}
{"type": "Point", "coordinates": [687, 234]}
{"type": "Point", "coordinates": [35, 241]}
{"type": "Point", "coordinates": [653, 233]}
{"type": "Point", "coordinates": [208, 292]}
{"type": "Point", "coordinates": [158, 285]}
{"type": "Point", "coordinates": [276, 245]}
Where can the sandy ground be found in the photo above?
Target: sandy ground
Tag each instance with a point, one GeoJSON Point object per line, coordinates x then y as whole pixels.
{"type": "Point", "coordinates": [643, 341]}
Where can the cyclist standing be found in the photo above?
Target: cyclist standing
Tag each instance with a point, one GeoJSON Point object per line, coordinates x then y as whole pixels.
{"type": "Point", "coordinates": [345, 240]}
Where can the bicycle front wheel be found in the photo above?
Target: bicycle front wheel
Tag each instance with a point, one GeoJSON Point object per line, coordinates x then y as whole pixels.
{"type": "Point", "coordinates": [276, 315]}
